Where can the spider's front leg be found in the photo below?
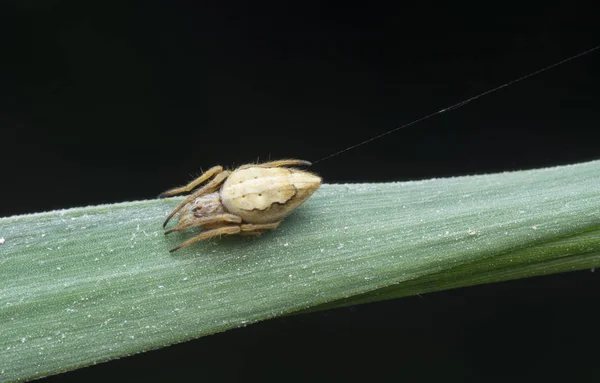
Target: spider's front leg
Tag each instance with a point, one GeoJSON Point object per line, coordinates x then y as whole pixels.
{"type": "Point", "coordinates": [187, 188]}
{"type": "Point", "coordinates": [192, 221]}
{"type": "Point", "coordinates": [225, 230]}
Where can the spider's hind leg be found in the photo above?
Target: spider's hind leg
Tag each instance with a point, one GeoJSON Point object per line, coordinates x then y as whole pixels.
{"type": "Point", "coordinates": [277, 164]}
{"type": "Point", "coordinates": [258, 228]}
{"type": "Point", "coordinates": [225, 230]}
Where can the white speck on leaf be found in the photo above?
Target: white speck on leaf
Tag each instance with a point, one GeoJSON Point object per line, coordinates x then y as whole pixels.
{"type": "Point", "coordinates": [2, 241]}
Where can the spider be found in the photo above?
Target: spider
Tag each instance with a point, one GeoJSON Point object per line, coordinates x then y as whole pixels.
{"type": "Point", "coordinates": [248, 200]}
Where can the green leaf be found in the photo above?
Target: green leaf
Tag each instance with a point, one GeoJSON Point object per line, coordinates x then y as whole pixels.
{"type": "Point", "coordinates": [91, 284]}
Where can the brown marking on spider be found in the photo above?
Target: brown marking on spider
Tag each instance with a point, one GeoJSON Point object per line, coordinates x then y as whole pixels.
{"type": "Point", "coordinates": [248, 200]}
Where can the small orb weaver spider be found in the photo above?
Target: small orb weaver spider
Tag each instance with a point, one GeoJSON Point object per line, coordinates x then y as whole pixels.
{"type": "Point", "coordinates": [249, 200]}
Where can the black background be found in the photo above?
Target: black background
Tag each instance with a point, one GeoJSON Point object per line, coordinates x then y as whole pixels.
{"type": "Point", "coordinates": [104, 102]}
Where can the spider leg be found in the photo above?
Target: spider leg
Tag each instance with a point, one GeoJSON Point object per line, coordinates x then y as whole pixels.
{"type": "Point", "coordinates": [184, 211]}
{"type": "Point", "coordinates": [209, 234]}
{"type": "Point", "coordinates": [191, 221]}
{"type": "Point", "coordinates": [277, 164]}
{"type": "Point", "coordinates": [208, 188]}
{"type": "Point", "coordinates": [259, 227]}
{"type": "Point", "coordinates": [183, 189]}
{"type": "Point", "coordinates": [252, 233]}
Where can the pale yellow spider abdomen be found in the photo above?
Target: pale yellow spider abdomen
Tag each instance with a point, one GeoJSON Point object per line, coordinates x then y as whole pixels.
{"type": "Point", "coordinates": [264, 195]}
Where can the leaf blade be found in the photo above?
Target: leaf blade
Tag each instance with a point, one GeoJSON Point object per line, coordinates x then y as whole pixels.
{"type": "Point", "coordinates": [91, 284]}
